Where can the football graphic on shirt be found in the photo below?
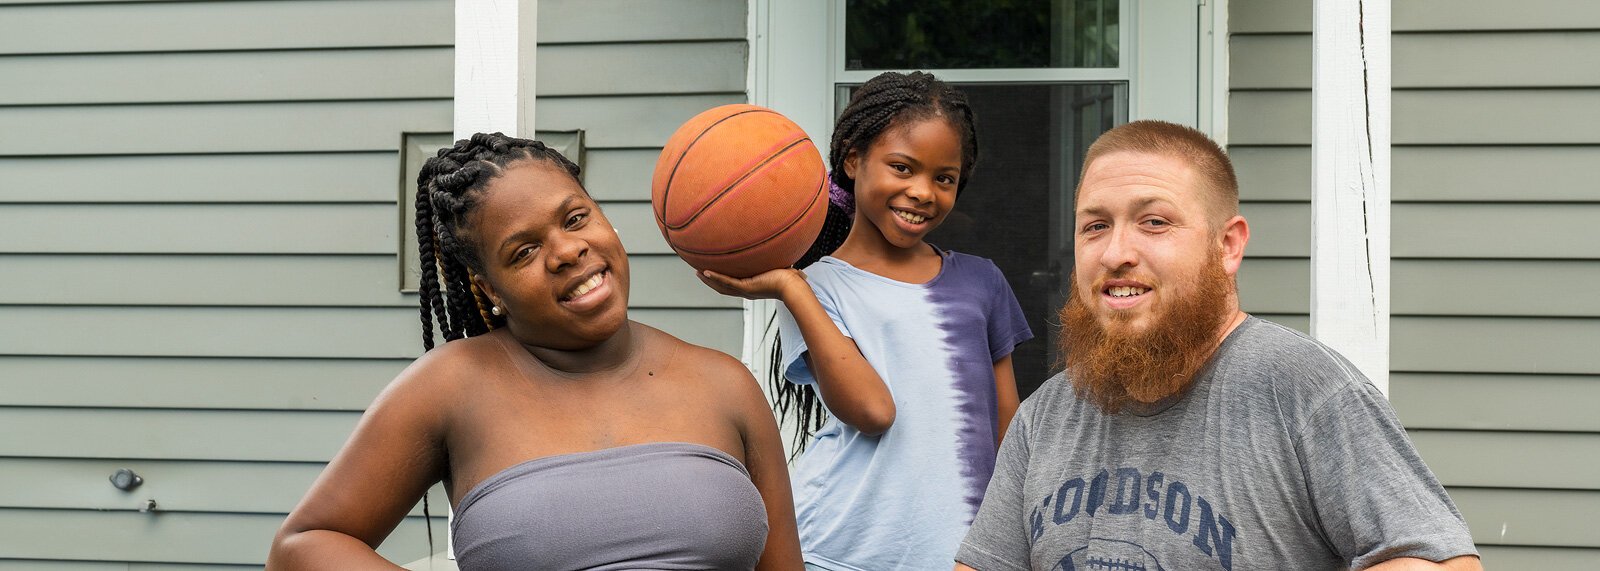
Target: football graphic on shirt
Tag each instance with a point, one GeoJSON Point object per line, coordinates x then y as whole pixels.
{"type": "Point", "coordinates": [1109, 555]}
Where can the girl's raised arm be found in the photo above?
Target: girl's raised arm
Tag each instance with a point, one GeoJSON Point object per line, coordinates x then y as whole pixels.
{"type": "Point", "coordinates": [851, 388]}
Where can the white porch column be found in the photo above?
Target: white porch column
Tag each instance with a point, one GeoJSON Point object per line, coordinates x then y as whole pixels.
{"type": "Point", "coordinates": [1350, 182]}
{"type": "Point", "coordinates": [495, 41]}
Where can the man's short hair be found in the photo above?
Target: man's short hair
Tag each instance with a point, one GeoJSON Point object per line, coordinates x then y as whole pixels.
{"type": "Point", "coordinates": [1177, 141]}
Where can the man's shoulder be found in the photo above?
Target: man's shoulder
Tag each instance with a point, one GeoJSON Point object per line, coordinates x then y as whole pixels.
{"type": "Point", "coordinates": [1298, 371]}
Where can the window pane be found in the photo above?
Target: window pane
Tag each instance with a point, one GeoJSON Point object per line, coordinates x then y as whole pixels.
{"type": "Point", "coordinates": [961, 34]}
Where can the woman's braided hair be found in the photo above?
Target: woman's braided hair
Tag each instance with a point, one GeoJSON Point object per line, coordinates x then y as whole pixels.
{"type": "Point", "coordinates": [889, 100]}
{"type": "Point", "coordinates": [449, 189]}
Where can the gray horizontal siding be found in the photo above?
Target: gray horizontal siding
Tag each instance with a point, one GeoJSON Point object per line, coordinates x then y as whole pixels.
{"type": "Point", "coordinates": [1532, 460]}
{"type": "Point", "coordinates": [696, 67]}
{"type": "Point", "coordinates": [362, 177]}
{"type": "Point", "coordinates": [1288, 16]}
{"type": "Point", "coordinates": [586, 21]}
{"type": "Point", "coordinates": [1496, 138]}
{"type": "Point", "coordinates": [1431, 117]}
{"type": "Point", "coordinates": [176, 434]}
{"type": "Point", "coordinates": [275, 280]}
{"type": "Point", "coordinates": [44, 565]}
{"type": "Point", "coordinates": [1500, 516]}
{"type": "Point", "coordinates": [1544, 231]}
{"type": "Point", "coordinates": [347, 332]}
{"type": "Point", "coordinates": [391, 73]}
{"type": "Point", "coordinates": [1477, 401]}
{"type": "Point", "coordinates": [1516, 557]}
{"type": "Point", "coordinates": [1441, 60]}
{"type": "Point", "coordinates": [239, 539]}
{"type": "Point", "coordinates": [208, 26]}
{"type": "Point", "coordinates": [244, 228]}
{"type": "Point", "coordinates": [194, 382]}
{"type": "Point", "coordinates": [400, 73]}
{"type": "Point", "coordinates": [627, 121]}
{"type": "Point", "coordinates": [219, 127]}
{"type": "Point", "coordinates": [1438, 173]}
{"type": "Point", "coordinates": [1280, 285]}
{"type": "Point", "coordinates": [175, 485]}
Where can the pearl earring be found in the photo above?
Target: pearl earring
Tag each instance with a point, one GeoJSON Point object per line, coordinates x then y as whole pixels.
{"type": "Point", "coordinates": [496, 310]}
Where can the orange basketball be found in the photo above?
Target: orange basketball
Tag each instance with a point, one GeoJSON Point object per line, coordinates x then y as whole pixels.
{"type": "Point", "coordinates": [740, 190]}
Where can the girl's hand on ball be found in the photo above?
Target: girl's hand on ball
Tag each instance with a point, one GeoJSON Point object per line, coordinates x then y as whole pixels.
{"type": "Point", "coordinates": [766, 285]}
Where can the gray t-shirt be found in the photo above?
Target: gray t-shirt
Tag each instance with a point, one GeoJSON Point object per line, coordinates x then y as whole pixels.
{"type": "Point", "coordinates": [1281, 456]}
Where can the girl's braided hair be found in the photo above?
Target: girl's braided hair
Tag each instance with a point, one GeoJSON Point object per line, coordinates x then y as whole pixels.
{"type": "Point", "coordinates": [889, 100]}
{"type": "Point", "coordinates": [449, 188]}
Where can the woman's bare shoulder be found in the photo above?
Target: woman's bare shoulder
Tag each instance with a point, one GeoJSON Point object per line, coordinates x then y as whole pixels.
{"type": "Point", "coordinates": [439, 375]}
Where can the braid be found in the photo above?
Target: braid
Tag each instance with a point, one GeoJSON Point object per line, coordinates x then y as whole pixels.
{"type": "Point", "coordinates": [449, 189]}
{"type": "Point", "coordinates": [884, 101]}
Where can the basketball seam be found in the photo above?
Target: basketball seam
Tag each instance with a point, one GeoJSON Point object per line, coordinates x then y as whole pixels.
{"type": "Point", "coordinates": [666, 191]}
{"type": "Point", "coordinates": [792, 145]}
{"type": "Point", "coordinates": [821, 191]}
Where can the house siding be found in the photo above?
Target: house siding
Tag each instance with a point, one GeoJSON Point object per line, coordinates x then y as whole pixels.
{"type": "Point", "coordinates": [1494, 326]}
{"type": "Point", "coordinates": [198, 230]}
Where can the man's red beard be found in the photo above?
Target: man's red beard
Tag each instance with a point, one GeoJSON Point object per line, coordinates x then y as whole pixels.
{"type": "Point", "coordinates": [1114, 365]}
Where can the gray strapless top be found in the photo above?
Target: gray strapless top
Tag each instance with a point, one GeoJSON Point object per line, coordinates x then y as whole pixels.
{"type": "Point", "coordinates": [662, 505]}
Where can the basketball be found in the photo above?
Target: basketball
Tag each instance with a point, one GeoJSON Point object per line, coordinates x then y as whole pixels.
{"type": "Point", "coordinates": [740, 190]}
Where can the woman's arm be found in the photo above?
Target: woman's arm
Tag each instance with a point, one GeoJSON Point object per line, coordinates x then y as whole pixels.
{"type": "Point", "coordinates": [769, 471]}
{"type": "Point", "coordinates": [394, 455]}
{"type": "Point", "coordinates": [851, 388]}
{"type": "Point", "coordinates": [1005, 387]}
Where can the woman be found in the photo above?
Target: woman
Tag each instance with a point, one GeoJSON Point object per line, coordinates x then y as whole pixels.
{"type": "Point", "coordinates": [567, 436]}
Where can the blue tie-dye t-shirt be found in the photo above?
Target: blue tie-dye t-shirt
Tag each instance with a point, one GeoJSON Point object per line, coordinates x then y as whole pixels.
{"type": "Point", "coordinates": [904, 499]}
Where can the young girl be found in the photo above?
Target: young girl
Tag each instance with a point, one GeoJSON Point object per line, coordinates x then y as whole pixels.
{"type": "Point", "coordinates": [908, 345]}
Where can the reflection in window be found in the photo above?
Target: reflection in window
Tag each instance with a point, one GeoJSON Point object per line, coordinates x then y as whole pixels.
{"type": "Point", "coordinates": [991, 34]}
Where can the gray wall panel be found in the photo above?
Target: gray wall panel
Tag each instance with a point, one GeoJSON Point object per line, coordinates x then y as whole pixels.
{"type": "Point", "coordinates": [334, 177]}
{"type": "Point", "coordinates": [160, 434]}
{"type": "Point", "coordinates": [1436, 173]}
{"type": "Point", "coordinates": [373, 333]}
{"type": "Point", "coordinates": [282, 280]}
{"type": "Point", "coordinates": [695, 67]}
{"type": "Point", "coordinates": [218, 128]}
{"type": "Point", "coordinates": [415, 73]}
{"type": "Point", "coordinates": [1480, 231]}
{"type": "Point", "coordinates": [187, 26]}
{"type": "Point", "coordinates": [1278, 16]}
{"type": "Point", "coordinates": [196, 383]}
{"type": "Point", "coordinates": [1432, 117]}
{"type": "Point", "coordinates": [567, 21]}
{"type": "Point", "coordinates": [1529, 517]}
{"type": "Point", "coordinates": [181, 486]}
{"type": "Point", "coordinates": [244, 229]}
{"type": "Point", "coordinates": [1278, 229]}
{"type": "Point", "coordinates": [1521, 459]}
{"type": "Point", "coordinates": [1497, 402]}
{"type": "Point", "coordinates": [626, 121]}
{"type": "Point", "coordinates": [620, 174]}
{"type": "Point", "coordinates": [169, 537]}
{"type": "Point", "coordinates": [1510, 557]}
{"type": "Point", "coordinates": [1495, 345]}
{"type": "Point", "coordinates": [1433, 60]}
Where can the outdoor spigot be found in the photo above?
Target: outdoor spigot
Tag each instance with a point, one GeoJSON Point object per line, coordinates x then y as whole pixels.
{"type": "Point", "coordinates": [126, 480]}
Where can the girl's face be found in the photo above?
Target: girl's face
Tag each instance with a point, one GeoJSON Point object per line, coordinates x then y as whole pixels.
{"type": "Point", "coordinates": [906, 182]}
{"type": "Point", "coordinates": [552, 261]}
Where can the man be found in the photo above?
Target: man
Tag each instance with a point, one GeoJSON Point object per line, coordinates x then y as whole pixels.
{"type": "Point", "coordinates": [1185, 434]}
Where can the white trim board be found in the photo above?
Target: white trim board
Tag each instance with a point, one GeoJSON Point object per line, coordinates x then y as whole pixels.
{"type": "Point", "coordinates": [495, 45]}
{"type": "Point", "coordinates": [1350, 172]}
